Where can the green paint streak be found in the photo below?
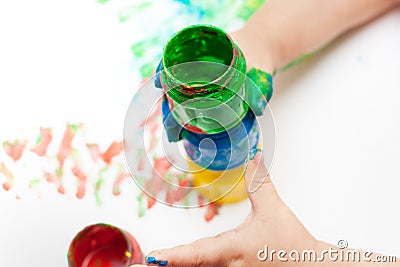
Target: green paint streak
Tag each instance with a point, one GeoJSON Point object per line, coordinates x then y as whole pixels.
{"type": "Point", "coordinates": [98, 185]}
{"type": "Point", "coordinates": [34, 182]}
{"type": "Point", "coordinates": [103, 1]}
{"type": "Point", "coordinates": [147, 69]}
{"type": "Point", "coordinates": [298, 61]}
{"type": "Point", "coordinates": [38, 140]}
{"type": "Point", "coordinates": [139, 49]}
{"type": "Point", "coordinates": [59, 172]}
{"type": "Point", "coordinates": [142, 205]}
{"type": "Point", "coordinates": [129, 12]}
{"type": "Point", "coordinates": [169, 177]}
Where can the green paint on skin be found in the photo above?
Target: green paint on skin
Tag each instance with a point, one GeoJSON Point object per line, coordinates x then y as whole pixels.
{"type": "Point", "coordinates": [298, 61]}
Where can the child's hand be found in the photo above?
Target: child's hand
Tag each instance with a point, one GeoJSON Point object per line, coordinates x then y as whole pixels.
{"type": "Point", "coordinates": [270, 223]}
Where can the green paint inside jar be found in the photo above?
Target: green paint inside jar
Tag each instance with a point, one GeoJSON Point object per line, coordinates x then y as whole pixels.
{"type": "Point", "coordinates": [204, 73]}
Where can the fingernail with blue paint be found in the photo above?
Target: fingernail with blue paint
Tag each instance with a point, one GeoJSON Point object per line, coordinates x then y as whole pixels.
{"type": "Point", "coordinates": [153, 260]}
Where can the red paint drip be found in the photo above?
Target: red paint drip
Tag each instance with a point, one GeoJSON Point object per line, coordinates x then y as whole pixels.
{"type": "Point", "coordinates": [140, 166]}
{"type": "Point", "coordinates": [182, 190]}
{"type": "Point", "coordinates": [169, 197]}
{"type": "Point", "coordinates": [113, 150]}
{"type": "Point", "coordinates": [200, 200]}
{"type": "Point", "coordinates": [45, 138]}
{"type": "Point", "coordinates": [55, 179]}
{"type": "Point", "coordinates": [153, 116]}
{"type": "Point", "coordinates": [7, 185]}
{"type": "Point", "coordinates": [160, 168]}
{"type": "Point", "coordinates": [117, 183]}
{"type": "Point", "coordinates": [14, 149]}
{"type": "Point", "coordinates": [212, 210]}
{"type": "Point", "coordinates": [151, 201]}
{"type": "Point", "coordinates": [65, 148]}
{"type": "Point", "coordinates": [95, 152]}
{"type": "Point", "coordinates": [82, 178]}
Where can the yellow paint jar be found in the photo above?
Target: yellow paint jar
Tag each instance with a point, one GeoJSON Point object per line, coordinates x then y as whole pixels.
{"type": "Point", "coordinates": [221, 187]}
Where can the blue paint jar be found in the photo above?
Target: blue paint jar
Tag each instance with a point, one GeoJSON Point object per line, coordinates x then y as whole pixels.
{"type": "Point", "coordinates": [222, 151]}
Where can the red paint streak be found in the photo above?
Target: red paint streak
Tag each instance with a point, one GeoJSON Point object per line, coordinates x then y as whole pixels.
{"type": "Point", "coordinates": [153, 143]}
{"type": "Point", "coordinates": [82, 178]}
{"type": "Point", "coordinates": [160, 168]}
{"type": "Point", "coordinates": [140, 166]}
{"type": "Point", "coordinates": [65, 148]}
{"type": "Point", "coordinates": [212, 210]}
{"type": "Point", "coordinates": [7, 185]}
{"type": "Point", "coordinates": [194, 129]}
{"type": "Point", "coordinates": [171, 103]}
{"type": "Point", "coordinates": [182, 190]}
{"type": "Point", "coordinates": [46, 136]}
{"type": "Point", "coordinates": [200, 201]}
{"type": "Point", "coordinates": [169, 197]}
{"type": "Point", "coordinates": [117, 183]}
{"type": "Point", "coordinates": [151, 201]}
{"type": "Point", "coordinates": [153, 116]}
{"type": "Point", "coordinates": [14, 149]}
{"type": "Point", "coordinates": [56, 180]}
{"type": "Point", "coordinates": [94, 151]}
{"type": "Point", "coordinates": [113, 150]}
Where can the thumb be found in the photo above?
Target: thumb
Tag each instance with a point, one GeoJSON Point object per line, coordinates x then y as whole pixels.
{"type": "Point", "coordinates": [211, 251]}
{"type": "Point", "coordinates": [258, 183]}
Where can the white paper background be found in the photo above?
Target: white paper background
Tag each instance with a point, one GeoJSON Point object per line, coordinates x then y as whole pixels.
{"type": "Point", "coordinates": [337, 118]}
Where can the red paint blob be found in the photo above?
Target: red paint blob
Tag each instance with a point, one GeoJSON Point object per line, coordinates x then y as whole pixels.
{"type": "Point", "coordinates": [103, 245]}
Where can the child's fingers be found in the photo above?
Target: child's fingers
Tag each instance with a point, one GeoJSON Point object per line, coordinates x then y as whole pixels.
{"type": "Point", "coordinates": [212, 251]}
{"type": "Point", "coordinates": [258, 182]}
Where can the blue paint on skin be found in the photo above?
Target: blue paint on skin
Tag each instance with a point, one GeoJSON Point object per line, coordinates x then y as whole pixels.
{"type": "Point", "coordinates": [153, 260]}
{"type": "Point", "coordinates": [253, 153]}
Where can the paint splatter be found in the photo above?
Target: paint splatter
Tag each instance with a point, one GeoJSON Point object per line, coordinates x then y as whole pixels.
{"type": "Point", "coordinates": [146, 53]}
{"type": "Point", "coordinates": [212, 210]}
{"type": "Point", "coordinates": [113, 150]}
{"type": "Point", "coordinates": [56, 179]}
{"type": "Point", "coordinates": [82, 178]}
{"type": "Point", "coordinates": [14, 149]}
{"type": "Point", "coordinates": [65, 148]}
{"type": "Point", "coordinates": [42, 142]}
{"type": "Point", "coordinates": [118, 181]}
{"type": "Point", "coordinates": [9, 183]}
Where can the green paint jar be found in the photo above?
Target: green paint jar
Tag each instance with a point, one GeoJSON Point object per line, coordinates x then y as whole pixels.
{"type": "Point", "coordinates": [204, 78]}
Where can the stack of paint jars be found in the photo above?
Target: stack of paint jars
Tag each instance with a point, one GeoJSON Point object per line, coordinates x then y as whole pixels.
{"type": "Point", "coordinates": [211, 104]}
